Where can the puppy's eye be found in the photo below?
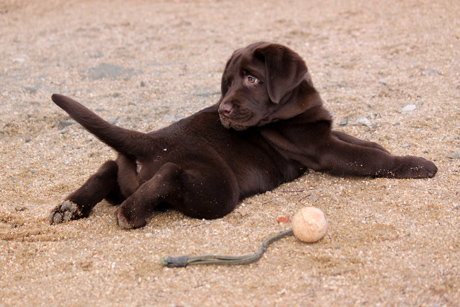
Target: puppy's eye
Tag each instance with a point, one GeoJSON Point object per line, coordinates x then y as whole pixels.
{"type": "Point", "coordinates": [251, 79]}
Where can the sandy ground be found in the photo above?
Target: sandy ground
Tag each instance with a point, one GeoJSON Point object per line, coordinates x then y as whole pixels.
{"type": "Point", "coordinates": [387, 70]}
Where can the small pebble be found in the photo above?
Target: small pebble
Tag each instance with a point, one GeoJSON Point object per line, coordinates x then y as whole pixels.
{"type": "Point", "coordinates": [409, 108]}
{"type": "Point", "coordinates": [430, 71]}
{"type": "Point", "coordinates": [364, 121]}
{"type": "Point", "coordinates": [344, 122]}
{"type": "Point", "coordinates": [284, 219]}
{"type": "Point", "coordinates": [455, 155]}
{"type": "Point", "coordinates": [65, 123]}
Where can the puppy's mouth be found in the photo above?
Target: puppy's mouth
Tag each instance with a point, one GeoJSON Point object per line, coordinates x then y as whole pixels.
{"type": "Point", "coordinates": [235, 117]}
{"type": "Point", "coordinates": [229, 124]}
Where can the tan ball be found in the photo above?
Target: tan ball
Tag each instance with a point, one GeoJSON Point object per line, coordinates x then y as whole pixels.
{"type": "Point", "coordinates": [309, 224]}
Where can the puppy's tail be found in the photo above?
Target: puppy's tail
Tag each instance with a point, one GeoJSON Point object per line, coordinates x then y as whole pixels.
{"type": "Point", "coordinates": [128, 142]}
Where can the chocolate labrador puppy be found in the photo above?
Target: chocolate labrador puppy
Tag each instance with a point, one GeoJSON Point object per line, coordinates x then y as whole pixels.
{"type": "Point", "coordinates": [268, 127]}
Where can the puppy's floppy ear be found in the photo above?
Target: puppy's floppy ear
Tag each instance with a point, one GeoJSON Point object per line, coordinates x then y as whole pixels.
{"type": "Point", "coordinates": [223, 83]}
{"type": "Point", "coordinates": [284, 69]}
{"type": "Point", "coordinates": [227, 71]}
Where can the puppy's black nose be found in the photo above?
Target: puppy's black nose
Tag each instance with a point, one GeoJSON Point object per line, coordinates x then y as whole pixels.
{"type": "Point", "coordinates": [225, 109]}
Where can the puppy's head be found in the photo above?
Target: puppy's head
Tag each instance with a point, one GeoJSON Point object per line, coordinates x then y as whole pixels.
{"type": "Point", "coordinates": [263, 83]}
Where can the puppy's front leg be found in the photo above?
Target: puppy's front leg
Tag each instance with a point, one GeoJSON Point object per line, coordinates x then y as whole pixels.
{"type": "Point", "coordinates": [345, 158]}
{"type": "Point", "coordinates": [353, 140]}
{"type": "Point", "coordinates": [80, 203]}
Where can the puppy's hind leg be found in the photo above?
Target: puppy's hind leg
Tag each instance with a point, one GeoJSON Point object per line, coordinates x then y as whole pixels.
{"type": "Point", "coordinates": [198, 192]}
{"type": "Point", "coordinates": [80, 203]}
{"type": "Point", "coordinates": [137, 207]}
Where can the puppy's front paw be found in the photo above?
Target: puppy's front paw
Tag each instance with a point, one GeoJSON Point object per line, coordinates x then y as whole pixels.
{"type": "Point", "coordinates": [65, 212]}
{"type": "Point", "coordinates": [415, 167]}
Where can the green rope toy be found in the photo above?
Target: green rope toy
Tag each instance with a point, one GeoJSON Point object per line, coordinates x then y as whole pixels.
{"type": "Point", "coordinates": [308, 225]}
{"type": "Point", "coordinates": [181, 262]}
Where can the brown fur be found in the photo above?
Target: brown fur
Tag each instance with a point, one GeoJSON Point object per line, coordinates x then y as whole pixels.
{"type": "Point", "coordinates": [268, 127]}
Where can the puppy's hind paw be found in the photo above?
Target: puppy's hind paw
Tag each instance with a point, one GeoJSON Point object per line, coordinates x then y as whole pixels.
{"type": "Point", "coordinates": [65, 212]}
{"type": "Point", "coordinates": [123, 221]}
